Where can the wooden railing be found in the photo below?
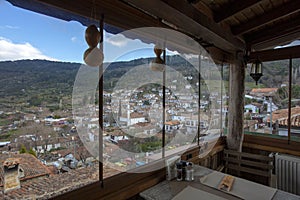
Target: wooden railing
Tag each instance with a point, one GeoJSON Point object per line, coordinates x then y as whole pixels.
{"type": "Point", "coordinates": [265, 145]}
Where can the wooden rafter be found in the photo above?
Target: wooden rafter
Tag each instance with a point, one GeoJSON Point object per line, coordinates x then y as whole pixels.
{"type": "Point", "coordinates": [232, 9]}
{"type": "Point", "coordinates": [186, 17]}
{"type": "Point", "coordinates": [115, 12]}
{"type": "Point", "coordinates": [276, 31]}
{"type": "Point", "coordinates": [275, 54]}
{"type": "Point", "coordinates": [274, 14]}
{"type": "Point", "coordinates": [284, 40]}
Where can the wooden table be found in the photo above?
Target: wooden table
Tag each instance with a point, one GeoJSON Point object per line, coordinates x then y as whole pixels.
{"type": "Point", "coordinates": [169, 189]}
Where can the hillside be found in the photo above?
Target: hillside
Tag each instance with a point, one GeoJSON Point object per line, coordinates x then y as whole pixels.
{"type": "Point", "coordinates": [41, 82]}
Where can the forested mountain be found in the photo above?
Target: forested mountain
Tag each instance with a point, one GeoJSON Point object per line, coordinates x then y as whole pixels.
{"type": "Point", "coordinates": [41, 82]}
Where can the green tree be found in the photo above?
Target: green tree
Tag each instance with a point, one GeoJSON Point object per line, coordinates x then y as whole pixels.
{"type": "Point", "coordinates": [32, 152]}
{"type": "Point", "coordinates": [23, 149]}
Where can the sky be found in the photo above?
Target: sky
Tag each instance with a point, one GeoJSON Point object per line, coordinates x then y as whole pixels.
{"type": "Point", "coordinates": [29, 35]}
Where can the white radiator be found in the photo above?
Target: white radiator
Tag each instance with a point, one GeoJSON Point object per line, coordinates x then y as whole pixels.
{"type": "Point", "coordinates": [288, 173]}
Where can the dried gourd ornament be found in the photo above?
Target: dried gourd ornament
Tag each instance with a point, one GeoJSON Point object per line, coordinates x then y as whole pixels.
{"type": "Point", "coordinates": [157, 64]}
{"type": "Point", "coordinates": [93, 56]}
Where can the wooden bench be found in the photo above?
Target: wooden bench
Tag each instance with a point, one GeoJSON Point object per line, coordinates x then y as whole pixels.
{"type": "Point", "coordinates": [254, 167]}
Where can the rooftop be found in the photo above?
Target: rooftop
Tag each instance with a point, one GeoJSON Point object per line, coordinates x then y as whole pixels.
{"type": "Point", "coordinates": [263, 91]}
{"type": "Point", "coordinates": [31, 165]}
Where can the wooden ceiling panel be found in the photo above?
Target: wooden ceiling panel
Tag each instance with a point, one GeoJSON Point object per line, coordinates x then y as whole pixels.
{"type": "Point", "coordinates": [233, 8]}
{"type": "Point", "coordinates": [186, 17]}
{"type": "Point", "coordinates": [276, 3]}
{"type": "Point", "coordinates": [203, 8]}
{"type": "Point", "coordinates": [233, 20]}
{"type": "Point", "coordinates": [272, 15]}
{"type": "Point", "coordinates": [279, 29]}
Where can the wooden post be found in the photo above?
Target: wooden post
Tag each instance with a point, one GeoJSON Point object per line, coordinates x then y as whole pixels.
{"type": "Point", "coordinates": [236, 104]}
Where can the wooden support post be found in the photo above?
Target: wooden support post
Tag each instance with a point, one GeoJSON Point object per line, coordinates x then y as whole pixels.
{"type": "Point", "coordinates": [236, 104]}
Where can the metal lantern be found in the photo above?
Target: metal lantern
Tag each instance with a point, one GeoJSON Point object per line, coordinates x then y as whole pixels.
{"type": "Point", "coordinates": [256, 70]}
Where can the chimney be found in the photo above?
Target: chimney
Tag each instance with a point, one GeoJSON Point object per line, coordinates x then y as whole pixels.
{"type": "Point", "coordinates": [11, 174]}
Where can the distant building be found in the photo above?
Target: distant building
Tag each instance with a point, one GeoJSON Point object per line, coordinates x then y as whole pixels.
{"type": "Point", "coordinates": [29, 117]}
{"type": "Point", "coordinates": [172, 125]}
{"type": "Point", "coordinates": [133, 118]}
{"type": "Point", "coordinates": [250, 107]}
{"type": "Point", "coordinates": [263, 92]}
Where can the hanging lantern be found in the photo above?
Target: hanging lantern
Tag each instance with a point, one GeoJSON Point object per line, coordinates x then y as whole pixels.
{"type": "Point", "coordinates": [93, 56]}
{"type": "Point", "coordinates": [157, 64]}
{"type": "Point", "coordinates": [256, 70]}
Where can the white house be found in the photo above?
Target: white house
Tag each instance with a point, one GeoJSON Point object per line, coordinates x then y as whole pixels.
{"type": "Point", "coordinates": [132, 118]}
{"type": "Point", "coordinates": [251, 107]}
{"type": "Point", "coordinates": [172, 125]}
{"type": "Point", "coordinates": [178, 117]}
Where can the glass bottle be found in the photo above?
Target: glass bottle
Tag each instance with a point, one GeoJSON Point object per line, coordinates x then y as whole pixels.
{"type": "Point", "coordinates": [184, 165]}
{"type": "Point", "coordinates": [178, 171]}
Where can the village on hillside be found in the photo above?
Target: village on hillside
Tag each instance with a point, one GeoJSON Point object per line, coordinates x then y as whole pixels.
{"type": "Point", "coordinates": [54, 144]}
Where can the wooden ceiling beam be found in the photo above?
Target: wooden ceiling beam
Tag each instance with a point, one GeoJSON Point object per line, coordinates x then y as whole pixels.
{"type": "Point", "coordinates": [275, 54]}
{"type": "Point", "coordinates": [276, 31]}
{"type": "Point", "coordinates": [284, 40]}
{"type": "Point", "coordinates": [274, 14]}
{"type": "Point", "coordinates": [115, 12]}
{"type": "Point", "coordinates": [188, 19]}
{"type": "Point", "coordinates": [232, 9]}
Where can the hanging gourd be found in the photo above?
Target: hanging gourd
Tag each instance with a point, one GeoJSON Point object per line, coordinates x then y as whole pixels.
{"type": "Point", "coordinates": [158, 63]}
{"type": "Point", "coordinates": [93, 56]}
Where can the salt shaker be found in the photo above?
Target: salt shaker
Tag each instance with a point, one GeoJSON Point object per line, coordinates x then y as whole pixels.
{"type": "Point", "coordinates": [189, 172]}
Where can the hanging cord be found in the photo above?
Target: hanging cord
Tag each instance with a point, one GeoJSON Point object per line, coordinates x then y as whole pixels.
{"type": "Point", "coordinates": [221, 126]}
{"type": "Point", "coordinates": [199, 101]}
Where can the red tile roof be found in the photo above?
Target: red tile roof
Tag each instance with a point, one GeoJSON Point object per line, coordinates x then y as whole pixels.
{"type": "Point", "coordinates": [31, 165]}
{"type": "Point", "coordinates": [282, 114]}
{"type": "Point", "coordinates": [136, 115]}
{"type": "Point", "coordinates": [172, 122]}
{"type": "Point", "coordinates": [263, 91]}
{"type": "Point", "coordinates": [11, 161]}
{"type": "Point", "coordinates": [48, 187]}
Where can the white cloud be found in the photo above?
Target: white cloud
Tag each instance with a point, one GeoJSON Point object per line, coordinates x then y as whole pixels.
{"type": "Point", "coordinates": [294, 43]}
{"type": "Point", "coordinates": [73, 39]}
{"type": "Point", "coordinates": [13, 51]}
{"type": "Point", "coordinates": [9, 27]}
{"type": "Point", "coordinates": [117, 40]}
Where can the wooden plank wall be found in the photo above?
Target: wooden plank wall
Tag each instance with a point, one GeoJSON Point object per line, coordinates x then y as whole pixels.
{"type": "Point", "coordinates": [213, 159]}
{"type": "Point", "coordinates": [254, 167]}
